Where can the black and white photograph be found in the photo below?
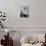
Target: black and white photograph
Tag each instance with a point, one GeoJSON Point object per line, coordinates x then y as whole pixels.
{"type": "Point", "coordinates": [24, 11]}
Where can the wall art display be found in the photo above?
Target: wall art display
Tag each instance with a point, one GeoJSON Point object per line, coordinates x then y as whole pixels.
{"type": "Point", "coordinates": [24, 11]}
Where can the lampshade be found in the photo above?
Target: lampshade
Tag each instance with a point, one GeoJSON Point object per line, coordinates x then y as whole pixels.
{"type": "Point", "coordinates": [7, 30]}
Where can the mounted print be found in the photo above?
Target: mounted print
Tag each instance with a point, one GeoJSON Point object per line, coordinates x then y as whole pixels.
{"type": "Point", "coordinates": [24, 11]}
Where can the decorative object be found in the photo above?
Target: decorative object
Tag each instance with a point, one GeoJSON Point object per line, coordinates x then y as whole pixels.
{"type": "Point", "coordinates": [8, 40]}
{"type": "Point", "coordinates": [24, 11]}
{"type": "Point", "coordinates": [7, 30]}
{"type": "Point", "coordinates": [2, 19]}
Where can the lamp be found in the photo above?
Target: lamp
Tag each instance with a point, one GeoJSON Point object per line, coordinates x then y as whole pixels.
{"type": "Point", "coordinates": [7, 31]}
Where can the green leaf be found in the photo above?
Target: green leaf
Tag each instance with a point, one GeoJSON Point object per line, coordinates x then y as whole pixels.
{"type": "Point", "coordinates": [0, 12]}
{"type": "Point", "coordinates": [4, 16]}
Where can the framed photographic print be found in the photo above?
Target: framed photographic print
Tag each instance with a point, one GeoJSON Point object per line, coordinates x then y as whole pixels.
{"type": "Point", "coordinates": [24, 11]}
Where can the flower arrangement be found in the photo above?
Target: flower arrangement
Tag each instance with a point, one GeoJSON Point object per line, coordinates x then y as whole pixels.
{"type": "Point", "coordinates": [2, 19]}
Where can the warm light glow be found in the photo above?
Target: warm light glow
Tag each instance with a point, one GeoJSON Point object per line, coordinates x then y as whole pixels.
{"type": "Point", "coordinates": [6, 30]}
